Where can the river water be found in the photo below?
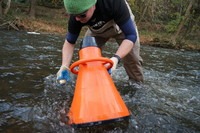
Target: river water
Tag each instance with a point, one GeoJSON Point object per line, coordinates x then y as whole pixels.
{"type": "Point", "coordinates": [31, 101]}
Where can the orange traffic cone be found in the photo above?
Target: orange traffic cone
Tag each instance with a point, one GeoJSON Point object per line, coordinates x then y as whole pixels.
{"type": "Point", "coordinates": [96, 99]}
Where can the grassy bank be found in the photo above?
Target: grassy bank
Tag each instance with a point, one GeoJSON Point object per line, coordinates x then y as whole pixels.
{"type": "Point", "coordinates": [54, 21]}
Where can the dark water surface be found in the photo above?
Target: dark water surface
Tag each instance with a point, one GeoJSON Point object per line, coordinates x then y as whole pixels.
{"type": "Point", "coordinates": [31, 101]}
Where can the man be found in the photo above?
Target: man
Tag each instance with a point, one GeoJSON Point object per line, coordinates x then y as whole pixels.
{"type": "Point", "coordinates": [105, 19]}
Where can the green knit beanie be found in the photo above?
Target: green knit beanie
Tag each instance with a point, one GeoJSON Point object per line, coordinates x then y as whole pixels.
{"type": "Point", "coordinates": [78, 6]}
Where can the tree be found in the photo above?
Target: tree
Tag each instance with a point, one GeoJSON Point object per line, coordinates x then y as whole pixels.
{"type": "Point", "coordinates": [1, 9]}
{"type": "Point", "coordinates": [32, 8]}
{"type": "Point", "coordinates": [4, 7]}
{"type": "Point", "coordinates": [184, 20]}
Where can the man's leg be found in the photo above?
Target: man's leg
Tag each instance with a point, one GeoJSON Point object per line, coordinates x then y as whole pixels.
{"type": "Point", "coordinates": [133, 61]}
{"type": "Point", "coordinates": [133, 65]}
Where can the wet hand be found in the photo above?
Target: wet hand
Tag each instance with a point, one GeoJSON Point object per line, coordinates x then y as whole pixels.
{"type": "Point", "coordinates": [63, 75]}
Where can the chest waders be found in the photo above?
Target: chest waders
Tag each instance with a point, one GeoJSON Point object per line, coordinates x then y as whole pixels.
{"type": "Point", "coordinates": [132, 61]}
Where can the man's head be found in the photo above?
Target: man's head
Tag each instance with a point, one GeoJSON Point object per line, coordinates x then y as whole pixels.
{"type": "Point", "coordinates": [82, 10]}
{"type": "Point", "coordinates": [78, 6]}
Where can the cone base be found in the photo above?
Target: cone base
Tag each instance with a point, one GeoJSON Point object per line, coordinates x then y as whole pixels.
{"type": "Point", "coordinates": [89, 124]}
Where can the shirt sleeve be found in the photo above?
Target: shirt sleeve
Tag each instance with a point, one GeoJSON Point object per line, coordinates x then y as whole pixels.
{"type": "Point", "coordinates": [129, 30]}
{"type": "Point", "coordinates": [74, 29]}
{"type": "Point", "coordinates": [122, 17]}
{"type": "Point", "coordinates": [71, 38]}
{"type": "Point", "coordinates": [120, 12]}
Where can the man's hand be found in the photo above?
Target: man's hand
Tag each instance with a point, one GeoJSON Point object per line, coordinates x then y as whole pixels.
{"type": "Point", "coordinates": [115, 59]}
{"type": "Point", "coordinates": [63, 75]}
{"type": "Point", "coordinates": [115, 62]}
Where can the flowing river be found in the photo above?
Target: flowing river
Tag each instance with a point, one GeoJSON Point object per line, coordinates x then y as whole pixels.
{"type": "Point", "coordinates": [31, 101]}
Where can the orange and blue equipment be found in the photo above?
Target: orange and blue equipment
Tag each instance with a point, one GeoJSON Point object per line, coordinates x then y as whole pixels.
{"type": "Point", "coordinates": [96, 99]}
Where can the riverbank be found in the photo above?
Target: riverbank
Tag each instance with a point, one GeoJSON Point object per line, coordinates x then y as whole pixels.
{"type": "Point", "coordinates": [54, 21]}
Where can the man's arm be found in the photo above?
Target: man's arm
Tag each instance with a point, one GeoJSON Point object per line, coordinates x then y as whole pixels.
{"type": "Point", "coordinates": [67, 53]}
{"type": "Point", "coordinates": [124, 48]}
{"type": "Point", "coordinates": [127, 44]}
{"type": "Point", "coordinates": [130, 38]}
